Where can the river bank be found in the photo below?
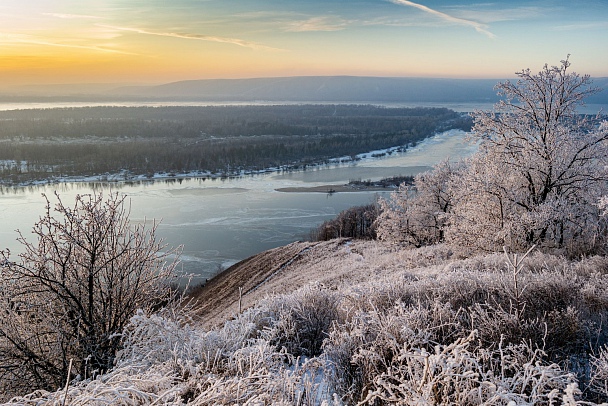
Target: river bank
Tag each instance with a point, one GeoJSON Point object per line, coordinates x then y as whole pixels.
{"type": "Point", "coordinates": [125, 176]}
{"type": "Point", "coordinates": [220, 221]}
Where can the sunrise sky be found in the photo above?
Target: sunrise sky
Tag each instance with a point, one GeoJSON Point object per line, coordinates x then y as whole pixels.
{"type": "Point", "coordinates": [156, 41]}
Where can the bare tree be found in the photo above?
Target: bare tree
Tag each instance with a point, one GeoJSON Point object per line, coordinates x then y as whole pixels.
{"type": "Point", "coordinates": [73, 291]}
{"type": "Point", "coordinates": [540, 169]}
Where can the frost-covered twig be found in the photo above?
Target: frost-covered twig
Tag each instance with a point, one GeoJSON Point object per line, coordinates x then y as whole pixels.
{"type": "Point", "coordinates": [516, 266]}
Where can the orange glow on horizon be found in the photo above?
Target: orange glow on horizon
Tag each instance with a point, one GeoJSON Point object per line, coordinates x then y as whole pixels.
{"type": "Point", "coordinates": [116, 41]}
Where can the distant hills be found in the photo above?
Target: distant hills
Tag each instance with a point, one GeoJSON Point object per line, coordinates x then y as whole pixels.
{"type": "Point", "coordinates": [323, 88]}
{"type": "Point", "coordinates": [332, 89]}
{"type": "Point", "coordinates": [297, 89]}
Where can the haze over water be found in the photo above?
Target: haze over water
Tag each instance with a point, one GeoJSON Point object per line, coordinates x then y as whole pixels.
{"type": "Point", "coordinates": [590, 108]}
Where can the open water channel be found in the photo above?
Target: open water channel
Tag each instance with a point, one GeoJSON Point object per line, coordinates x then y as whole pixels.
{"type": "Point", "coordinates": [220, 222]}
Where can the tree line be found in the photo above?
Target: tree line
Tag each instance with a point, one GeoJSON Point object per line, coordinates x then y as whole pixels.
{"type": "Point", "coordinates": [38, 144]}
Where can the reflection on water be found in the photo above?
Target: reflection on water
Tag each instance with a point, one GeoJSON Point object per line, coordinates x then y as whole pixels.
{"type": "Point", "coordinates": [221, 221]}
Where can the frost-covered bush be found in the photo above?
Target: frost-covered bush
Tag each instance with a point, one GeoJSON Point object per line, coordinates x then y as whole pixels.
{"type": "Point", "coordinates": [69, 294]}
{"type": "Point", "coordinates": [418, 214]}
{"type": "Point", "coordinates": [466, 332]}
{"type": "Point", "coordinates": [395, 358]}
{"type": "Point", "coordinates": [462, 373]}
{"type": "Point", "coordinates": [173, 339]}
{"type": "Point", "coordinates": [167, 362]}
{"type": "Point", "coordinates": [360, 349]}
{"type": "Point", "coordinates": [300, 321]}
{"type": "Point", "coordinates": [599, 364]}
{"type": "Point", "coordinates": [559, 314]}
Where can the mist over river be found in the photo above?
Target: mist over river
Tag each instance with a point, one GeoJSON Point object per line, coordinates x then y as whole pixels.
{"type": "Point", "coordinates": [220, 222]}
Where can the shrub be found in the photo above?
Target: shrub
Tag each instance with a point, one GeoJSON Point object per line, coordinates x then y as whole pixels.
{"type": "Point", "coordinates": [300, 322]}
{"type": "Point", "coordinates": [356, 222]}
{"type": "Point", "coordinates": [74, 290]}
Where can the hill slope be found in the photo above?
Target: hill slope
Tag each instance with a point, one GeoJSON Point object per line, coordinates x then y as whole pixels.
{"type": "Point", "coordinates": [364, 322]}
{"type": "Point", "coordinates": [334, 89]}
{"type": "Point", "coordinates": [333, 264]}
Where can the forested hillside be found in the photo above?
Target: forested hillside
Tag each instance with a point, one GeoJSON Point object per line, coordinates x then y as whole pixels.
{"type": "Point", "coordinates": [42, 144]}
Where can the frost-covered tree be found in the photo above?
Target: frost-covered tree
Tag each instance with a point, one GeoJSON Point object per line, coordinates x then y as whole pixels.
{"type": "Point", "coordinates": [73, 291]}
{"type": "Point", "coordinates": [540, 170]}
{"type": "Point", "coordinates": [417, 215]}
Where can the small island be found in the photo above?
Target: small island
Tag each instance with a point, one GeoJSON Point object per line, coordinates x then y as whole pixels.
{"type": "Point", "coordinates": [354, 186]}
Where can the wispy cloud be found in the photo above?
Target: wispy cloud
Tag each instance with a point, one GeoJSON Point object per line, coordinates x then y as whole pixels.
{"type": "Point", "coordinates": [73, 16]}
{"type": "Point", "coordinates": [289, 21]}
{"type": "Point", "coordinates": [396, 22]}
{"type": "Point", "coordinates": [583, 26]}
{"type": "Point", "coordinates": [317, 24]}
{"type": "Point", "coordinates": [479, 27]}
{"type": "Point", "coordinates": [87, 47]}
{"type": "Point", "coordinates": [197, 37]}
{"type": "Point", "coordinates": [490, 12]}
{"type": "Point", "coordinates": [8, 39]}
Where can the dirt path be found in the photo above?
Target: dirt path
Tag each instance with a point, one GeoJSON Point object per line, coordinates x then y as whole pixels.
{"type": "Point", "coordinates": [219, 298]}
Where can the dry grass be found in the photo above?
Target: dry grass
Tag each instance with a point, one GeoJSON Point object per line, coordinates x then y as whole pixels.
{"type": "Point", "coordinates": [379, 325]}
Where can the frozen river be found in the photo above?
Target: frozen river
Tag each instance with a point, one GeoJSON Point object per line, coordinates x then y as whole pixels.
{"type": "Point", "coordinates": [220, 222]}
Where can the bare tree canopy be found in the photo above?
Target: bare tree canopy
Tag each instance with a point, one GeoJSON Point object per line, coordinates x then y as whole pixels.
{"type": "Point", "coordinates": [73, 291]}
{"type": "Point", "coordinates": [541, 167]}
{"type": "Point", "coordinates": [537, 178]}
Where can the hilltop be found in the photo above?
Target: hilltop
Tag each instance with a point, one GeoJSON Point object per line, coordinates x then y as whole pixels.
{"type": "Point", "coordinates": [350, 322]}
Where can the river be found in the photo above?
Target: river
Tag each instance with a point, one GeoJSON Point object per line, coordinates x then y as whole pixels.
{"type": "Point", "coordinates": [219, 222]}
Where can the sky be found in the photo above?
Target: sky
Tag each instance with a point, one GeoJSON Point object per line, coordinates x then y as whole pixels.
{"type": "Point", "coordinates": [160, 41]}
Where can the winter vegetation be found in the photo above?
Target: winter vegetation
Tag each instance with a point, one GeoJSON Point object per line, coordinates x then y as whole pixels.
{"type": "Point", "coordinates": [538, 177]}
{"type": "Point", "coordinates": [420, 326]}
{"type": "Point", "coordinates": [487, 285]}
{"type": "Point", "coordinates": [356, 222]}
{"type": "Point", "coordinates": [69, 296]}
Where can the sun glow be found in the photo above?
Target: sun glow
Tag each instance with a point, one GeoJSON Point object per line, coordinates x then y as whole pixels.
{"type": "Point", "coordinates": [119, 41]}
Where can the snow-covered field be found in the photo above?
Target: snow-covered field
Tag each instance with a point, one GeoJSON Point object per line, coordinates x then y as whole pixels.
{"type": "Point", "coordinates": [380, 325]}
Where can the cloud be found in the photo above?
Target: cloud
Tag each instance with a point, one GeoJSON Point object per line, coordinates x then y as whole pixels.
{"type": "Point", "coordinates": [12, 39]}
{"type": "Point", "coordinates": [197, 37]}
{"type": "Point", "coordinates": [396, 22]}
{"type": "Point", "coordinates": [583, 26]}
{"type": "Point", "coordinates": [88, 47]}
{"type": "Point", "coordinates": [489, 13]}
{"type": "Point", "coordinates": [479, 27]}
{"type": "Point", "coordinates": [289, 21]}
{"type": "Point", "coordinates": [317, 24]}
{"type": "Point", "coordinates": [73, 16]}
